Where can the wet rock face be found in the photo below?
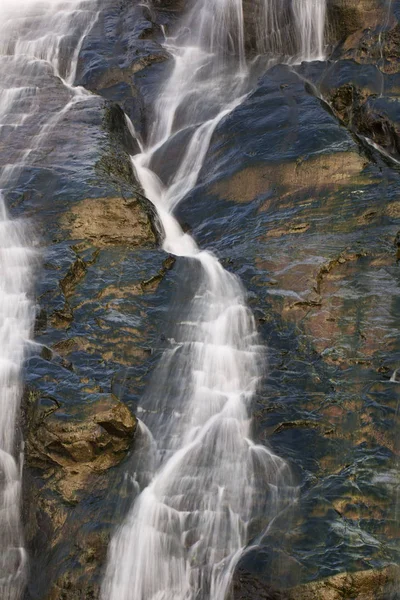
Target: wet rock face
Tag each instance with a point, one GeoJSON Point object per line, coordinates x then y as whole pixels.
{"type": "Point", "coordinates": [361, 87]}
{"type": "Point", "coordinates": [363, 585]}
{"type": "Point", "coordinates": [317, 172]}
{"type": "Point", "coordinates": [318, 248]}
{"type": "Point", "coordinates": [122, 58]}
{"type": "Point", "coordinates": [72, 445]}
{"type": "Point", "coordinates": [364, 30]}
{"type": "Point", "coordinates": [361, 116]}
{"type": "Point", "coordinates": [69, 453]}
{"type": "Point", "coordinates": [109, 222]}
{"type": "Point", "coordinates": [99, 282]}
{"type": "Point", "coordinates": [347, 16]}
{"type": "Point", "coordinates": [306, 214]}
{"type": "Point", "coordinates": [370, 46]}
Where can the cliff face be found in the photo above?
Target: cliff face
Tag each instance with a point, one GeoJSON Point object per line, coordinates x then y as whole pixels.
{"type": "Point", "coordinates": [300, 193]}
{"type": "Point", "coordinates": [348, 16]}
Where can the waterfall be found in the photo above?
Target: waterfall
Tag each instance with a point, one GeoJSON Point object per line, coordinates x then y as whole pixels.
{"type": "Point", "coordinates": [310, 20]}
{"type": "Point", "coordinates": [289, 30]}
{"type": "Point", "coordinates": [209, 480]}
{"type": "Point", "coordinates": [38, 40]}
{"type": "Point", "coordinates": [16, 320]}
{"type": "Point", "coordinates": [189, 526]}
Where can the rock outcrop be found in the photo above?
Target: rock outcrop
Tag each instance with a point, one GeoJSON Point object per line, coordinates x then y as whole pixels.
{"type": "Point", "coordinates": [69, 452]}
{"type": "Point", "coordinates": [358, 111]}
{"type": "Point", "coordinates": [374, 584]}
{"type": "Point", "coordinates": [346, 17]}
{"type": "Point", "coordinates": [102, 222]}
{"type": "Point", "coordinates": [74, 444]}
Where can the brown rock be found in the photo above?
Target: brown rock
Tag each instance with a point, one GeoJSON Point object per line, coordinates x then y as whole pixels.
{"type": "Point", "coordinates": [109, 222]}
{"type": "Point", "coordinates": [322, 171]}
{"type": "Point", "coordinates": [373, 584]}
{"type": "Point", "coordinates": [347, 16]}
{"type": "Point", "coordinates": [73, 447]}
{"type": "Point", "coordinates": [75, 274]}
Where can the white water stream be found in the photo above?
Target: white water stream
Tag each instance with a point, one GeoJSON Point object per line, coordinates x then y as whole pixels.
{"type": "Point", "coordinates": [310, 20]}
{"type": "Point", "coordinates": [39, 42]}
{"type": "Point", "coordinates": [188, 528]}
{"type": "Point", "coordinates": [185, 534]}
{"type": "Point", "coordinates": [291, 29]}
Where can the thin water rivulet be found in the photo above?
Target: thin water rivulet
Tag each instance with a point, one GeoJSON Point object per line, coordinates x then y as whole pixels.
{"type": "Point", "coordinates": [39, 43]}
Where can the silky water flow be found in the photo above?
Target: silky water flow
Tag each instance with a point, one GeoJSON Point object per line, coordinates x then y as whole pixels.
{"type": "Point", "coordinates": [38, 41]}
{"type": "Point", "coordinates": [209, 481]}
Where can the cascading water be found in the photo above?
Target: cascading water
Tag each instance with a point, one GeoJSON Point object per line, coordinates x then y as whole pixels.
{"type": "Point", "coordinates": [310, 21]}
{"type": "Point", "coordinates": [208, 480]}
{"type": "Point", "coordinates": [16, 319]}
{"type": "Point", "coordinates": [290, 30]}
{"type": "Point", "coordinates": [189, 526]}
{"type": "Point", "coordinates": [38, 41]}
